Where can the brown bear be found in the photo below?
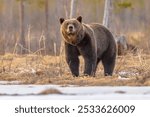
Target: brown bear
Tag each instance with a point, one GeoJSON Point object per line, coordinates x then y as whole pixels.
{"type": "Point", "coordinates": [92, 41]}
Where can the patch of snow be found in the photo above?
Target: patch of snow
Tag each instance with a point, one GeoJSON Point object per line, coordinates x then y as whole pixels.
{"type": "Point", "coordinates": [9, 82]}
{"type": "Point", "coordinates": [127, 74]}
{"type": "Point", "coordinates": [123, 78]}
{"type": "Point", "coordinates": [74, 92]}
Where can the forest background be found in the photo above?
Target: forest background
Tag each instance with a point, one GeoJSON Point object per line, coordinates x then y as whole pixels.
{"type": "Point", "coordinates": [30, 26]}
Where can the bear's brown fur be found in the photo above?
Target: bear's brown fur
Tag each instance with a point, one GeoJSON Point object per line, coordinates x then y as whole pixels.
{"type": "Point", "coordinates": [93, 41]}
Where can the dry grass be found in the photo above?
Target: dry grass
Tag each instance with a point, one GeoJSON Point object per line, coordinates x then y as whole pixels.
{"type": "Point", "coordinates": [35, 69]}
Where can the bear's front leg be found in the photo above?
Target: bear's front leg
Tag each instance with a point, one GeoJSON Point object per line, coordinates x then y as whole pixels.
{"type": "Point", "coordinates": [72, 59]}
{"type": "Point", "coordinates": [90, 67]}
{"type": "Point", "coordinates": [73, 64]}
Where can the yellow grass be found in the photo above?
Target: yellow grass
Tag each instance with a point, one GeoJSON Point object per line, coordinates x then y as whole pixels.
{"type": "Point", "coordinates": [35, 69]}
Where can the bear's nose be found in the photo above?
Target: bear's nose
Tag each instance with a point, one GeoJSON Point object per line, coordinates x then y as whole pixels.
{"type": "Point", "coordinates": [70, 28]}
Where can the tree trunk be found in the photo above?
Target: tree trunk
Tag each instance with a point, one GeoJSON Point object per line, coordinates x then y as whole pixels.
{"type": "Point", "coordinates": [73, 8]}
{"type": "Point", "coordinates": [107, 13]}
{"type": "Point", "coordinates": [22, 32]}
{"type": "Point", "coordinates": [2, 44]}
{"type": "Point", "coordinates": [48, 42]}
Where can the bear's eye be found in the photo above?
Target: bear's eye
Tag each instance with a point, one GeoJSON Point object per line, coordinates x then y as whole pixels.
{"type": "Point", "coordinates": [74, 24]}
{"type": "Point", "coordinates": [67, 23]}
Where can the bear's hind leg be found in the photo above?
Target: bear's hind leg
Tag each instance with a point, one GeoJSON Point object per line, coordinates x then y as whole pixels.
{"type": "Point", "coordinates": [109, 64]}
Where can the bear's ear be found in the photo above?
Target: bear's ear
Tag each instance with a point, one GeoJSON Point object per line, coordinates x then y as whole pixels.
{"type": "Point", "coordinates": [79, 19]}
{"type": "Point", "coordinates": [61, 20]}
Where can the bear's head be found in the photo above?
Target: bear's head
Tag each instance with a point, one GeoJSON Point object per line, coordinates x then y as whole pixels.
{"type": "Point", "coordinates": [72, 30]}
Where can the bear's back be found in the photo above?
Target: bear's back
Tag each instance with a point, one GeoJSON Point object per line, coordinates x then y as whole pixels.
{"type": "Point", "coordinates": [101, 31]}
{"type": "Point", "coordinates": [103, 37]}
